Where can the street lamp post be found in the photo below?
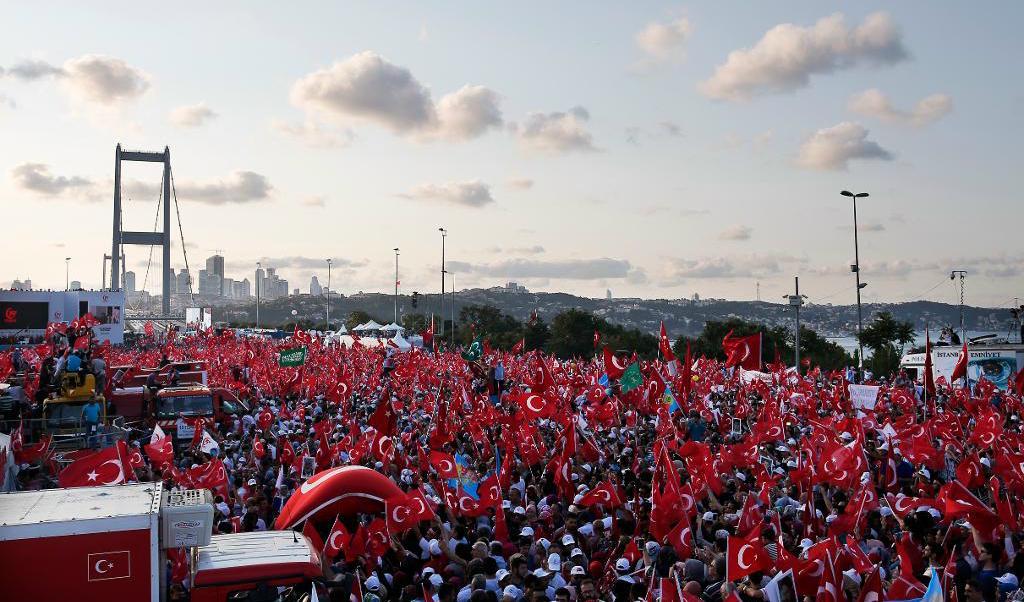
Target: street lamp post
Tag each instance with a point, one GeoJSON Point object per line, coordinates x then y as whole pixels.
{"type": "Point", "coordinates": [963, 275]}
{"type": "Point", "coordinates": [259, 285]}
{"type": "Point", "coordinates": [795, 301]}
{"type": "Point", "coordinates": [453, 310]}
{"type": "Point", "coordinates": [328, 294]}
{"type": "Point", "coordinates": [855, 268]}
{"type": "Point", "coordinates": [440, 300]}
{"type": "Point", "coordinates": [396, 285]}
{"type": "Point", "coordinates": [67, 273]}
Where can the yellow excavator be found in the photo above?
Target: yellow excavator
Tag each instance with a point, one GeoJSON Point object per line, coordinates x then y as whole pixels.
{"type": "Point", "coordinates": [62, 415]}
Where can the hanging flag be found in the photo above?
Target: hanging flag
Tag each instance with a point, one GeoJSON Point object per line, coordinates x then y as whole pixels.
{"type": "Point", "coordinates": [292, 357]}
{"type": "Point", "coordinates": [960, 369]}
{"type": "Point", "coordinates": [631, 378]}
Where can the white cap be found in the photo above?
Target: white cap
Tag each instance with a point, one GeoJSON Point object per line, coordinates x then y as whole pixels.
{"type": "Point", "coordinates": [852, 575]}
{"type": "Point", "coordinates": [526, 532]}
{"type": "Point", "coordinates": [741, 476]}
{"type": "Point", "coordinates": [576, 552]}
{"type": "Point", "coordinates": [501, 574]}
{"type": "Point", "coordinates": [511, 591]}
{"type": "Point", "coordinates": [519, 510]}
{"type": "Point", "coordinates": [709, 515]}
{"type": "Point", "coordinates": [544, 542]}
{"type": "Point", "coordinates": [806, 543]}
{"type": "Point", "coordinates": [652, 547]}
{"type": "Point", "coordinates": [436, 580]}
{"type": "Point", "coordinates": [1008, 579]}
{"type": "Point", "coordinates": [622, 565]}
{"type": "Point", "coordinates": [577, 570]}
{"type": "Point", "coordinates": [885, 511]}
{"type": "Point", "coordinates": [986, 462]}
{"type": "Point", "coordinates": [554, 562]}
{"type": "Point", "coordinates": [568, 540]}
{"type": "Point", "coordinates": [935, 513]}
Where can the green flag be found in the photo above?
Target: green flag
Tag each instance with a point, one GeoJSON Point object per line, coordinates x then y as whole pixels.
{"type": "Point", "coordinates": [631, 378]}
{"type": "Point", "coordinates": [474, 352]}
{"type": "Point", "coordinates": [292, 357]}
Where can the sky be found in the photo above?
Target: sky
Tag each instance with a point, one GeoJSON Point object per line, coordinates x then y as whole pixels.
{"type": "Point", "coordinates": [654, 149]}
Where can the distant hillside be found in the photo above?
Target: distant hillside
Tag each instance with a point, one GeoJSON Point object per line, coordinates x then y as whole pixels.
{"type": "Point", "coordinates": [681, 316]}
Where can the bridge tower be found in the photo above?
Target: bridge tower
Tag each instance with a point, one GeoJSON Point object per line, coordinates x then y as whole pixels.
{"type": "Point", "coordinates": [122, 237]}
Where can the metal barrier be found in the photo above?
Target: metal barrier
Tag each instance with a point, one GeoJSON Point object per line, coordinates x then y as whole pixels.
{"type": "Point", "coordinates": [72, 434]}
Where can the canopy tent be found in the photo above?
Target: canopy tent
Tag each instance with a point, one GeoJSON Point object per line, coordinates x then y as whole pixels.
{"type": "Point", "coordinates": [403, 345]}
{"type": "Point", "coordinates": [341, 330]}
{"type": "Point", "coordinates": [392, 327]}
{"type": "Point", "coordinates": [371, 325]}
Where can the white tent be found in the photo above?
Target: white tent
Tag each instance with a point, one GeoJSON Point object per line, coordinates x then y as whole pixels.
{"type": "Point", "coordinates": [403, 345]}
{"type": "Point", "coordinates": [341, 330]}
{"type": "Point", "coordinates": [392, 327]}
{"type": "Point", "coordinates": [371, 325]}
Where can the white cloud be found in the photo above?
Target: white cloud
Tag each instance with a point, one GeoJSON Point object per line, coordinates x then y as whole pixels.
{"type": "Point", "coordinates": [315, 201]}
{"type": "Point", "coordinates": [787, 55]}
{"type": "Point", "coordinates": [874, 103]}
{"type": "Point", "coordinates": [665, 41]}
{"type": "Point", "coordinates": [92, 77]}
{"type": "Point", "coordinates": [679, 269]}
{"type": "Point", "coordinates": [36, 178]}
{"type": "Point", "coordinates": [467, 113]}
{"type": "Point", "coordinates": [238, 188]}
{"type": "Point", "coordinates": [104, 79]}
{"type": "Point", "coordinates": [314, 134]}
{"type": "Point", "coordinates": [368, 88]}
{"type": "Point", "coordinates": [835, 147]}
{"type": "Point", "coordinates": [737, 232]}
{"type": "Point", "coordinates": [191, 116]}
{"type": "Point", "coordinates": [473, 193]}
{"type": "Point", "coordinates": [555, 132]}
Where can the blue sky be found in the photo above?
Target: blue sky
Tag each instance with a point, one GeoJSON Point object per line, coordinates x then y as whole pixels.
{"type": "Point", "coordinates": [575, 147]}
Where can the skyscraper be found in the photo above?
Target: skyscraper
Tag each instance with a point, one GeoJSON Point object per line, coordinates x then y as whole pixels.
{"type": "Point", "coordinates": [184, 282]}
{"type": "Point", "coordinates": [214, 276]}
{"type": "Point", "coordinates": [314, 287]}
{"type": "Point", "coordinates": [129, 282]}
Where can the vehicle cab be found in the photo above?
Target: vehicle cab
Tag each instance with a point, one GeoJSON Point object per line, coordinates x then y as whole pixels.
{"type": "Point", "coordinates": [177, 407]}
{"type": "Point", "coordinates": [252, 566]}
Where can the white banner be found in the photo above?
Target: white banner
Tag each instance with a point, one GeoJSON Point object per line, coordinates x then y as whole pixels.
{"type": "Point", "coordinates": [863, 397]}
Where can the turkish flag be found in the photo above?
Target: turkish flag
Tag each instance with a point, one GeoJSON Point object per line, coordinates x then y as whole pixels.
{"type": "Point", "coordinates": [160, 451]}
{"type": "Point", "coordinates": [265, 419]}
{"type": "Point", "coordinates": [337, 540]}
{"type": "Point", "coordinates": [400, 512]}
{"type": "Point", "coordinates": [960, 369]}
{"type": "Point", "coordinates": [377, 539]}
{"type": "Point", "coordinates": [746, 555]}
{"type": "Point", "coordinates": [535, 406]}
{"type": "Point", "coordinates": [104, 566]}
{"type": "Point", "coordinates": [212, 476]}
{"type": "Point", "coordinates": [135, 459]}
{"type": "Point", "coordinates": [681, 539]}
{"type": "Point", "coordinates": [830, 587]}
{"type": "Point", "coordinates": [309, 530]}
{"type": "Point", "coordinates": [871, 589]}
{"type": "Point", "coordinates": [605, 494]}
{"type": "Point", "coordinates": [518, 347]}
{"type": "Point", "coordinates": [105, 467]}
{"type": "Point", "coordinates": [444, 464]}
{"type": "Point", "coordinates": [665, 345]}
{"type": "Point", "coordinates": [744, 352]}
{"type": "Point", "coordinates": [468, 506]}
{"type": "Point", "coordinates": [612, 365]}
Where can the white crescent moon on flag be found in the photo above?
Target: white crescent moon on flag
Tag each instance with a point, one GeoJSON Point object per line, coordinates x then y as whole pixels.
{"type": "Point", "coordinates": [400, 510]}
{"type": "Point", "coordinates": [96, 567]}
{"type": "Point", "coordinates": [120, 472]}
{"type": "Point", "coordinates": [687, 500]}
{"type": "Point", "coordinates": [739, 556]}
{"type": "Point", "coordinates": [446, 466]}
{"type": "Point", "coordinates": [422, 507]}
{"type": "Point", "coordinates": [462, 503]}
{"type": "Point", "coordinates": [333, 540]}
{"type": "Point", "coordinates": [529, 404]}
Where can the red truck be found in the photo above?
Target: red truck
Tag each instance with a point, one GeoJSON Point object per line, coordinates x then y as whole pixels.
{"type": "Point", "coordinates": [97, 544]}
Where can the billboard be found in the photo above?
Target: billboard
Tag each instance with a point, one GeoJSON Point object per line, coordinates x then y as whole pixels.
{"type": "Point", "coordinates": [24, 315]}
{"type": "Point", "coordinates": [995, 364]}
{"type": "Point", "coordinates": [107, 307]}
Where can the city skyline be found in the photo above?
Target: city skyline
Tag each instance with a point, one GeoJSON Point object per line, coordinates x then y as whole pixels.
{"type": "Point", "coordinates": [657, 150]}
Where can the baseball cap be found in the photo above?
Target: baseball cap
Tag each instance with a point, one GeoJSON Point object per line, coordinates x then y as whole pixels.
{"type": "Point", "coordinates": [554, 562]}
{"type": "Point", "coordinates": [709, 516]}
{"type": "Point", "coordinates": [501, 574]}
{"type": "Point", "coordinates": [567, 540]}
{"type": "Point", "coordinates": [436, 580]}
{"type": "Point", "coordinates": [372, 583]}
{"type": "Point", "coordinates": [578, 570]}
{"type": "Point", "coordinates": [519, 510]}
{"type": "Point", "coordinates": [622, 564]}
{"type": "Point", "coordinates": [526, 532]}
{"type": "Point", "coordinates": [652, 547]}
{"type": "Point", "coordinates": [1009, 580]}
{"type": "Point", "coordinates": [511, 591]}
{"type": "Point", "coordinates": [576, 552]}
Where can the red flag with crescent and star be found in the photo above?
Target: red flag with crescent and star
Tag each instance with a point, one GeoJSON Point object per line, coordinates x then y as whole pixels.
{"type": "Point", "coordinates": [746, 555]}
{"type": "Point", "coordinates": [105, 467]}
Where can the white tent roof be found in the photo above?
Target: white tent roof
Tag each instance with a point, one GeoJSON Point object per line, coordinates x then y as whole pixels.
{"type": "Point", "coordinates": [341, 330]}
{"type": "Point", "coordinates": [393, 326]}
{"type": "Point", "coordinates": [371, 325]}
{"type": "Point", "coordinates": [403, 344]}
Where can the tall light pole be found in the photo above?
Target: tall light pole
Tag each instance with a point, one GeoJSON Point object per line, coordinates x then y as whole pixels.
{"type": "Point", "coordinates": [259, 285]}
{"type": "Point", "coordinates": [795, 301]}
{"type": "Point", "coordinates": [440, 300]}
{"type": "Point", "coordinates": [67, 273]}
{"type": "Point", "coordinates": [453, 310]}
{"type": "Point", "coordinates": [396, 285]}
{"type": "Point", "coordinates": [328, 294]}
{"type": "Point", "coordinates": [855, 268]}
{"type": "Point", "coordinates": [963, 275]}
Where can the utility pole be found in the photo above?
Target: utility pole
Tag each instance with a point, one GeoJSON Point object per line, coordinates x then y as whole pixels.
{"type": "Point", "coordinates": [963, 275]}
{"type": "Point", "coordinates": [453, 312]}
{"type": "Point", "coordinates": [396, 285]}
{"type": "Point", "coordinates": [795, 301]}
{"type": "Point", "coordinates": [440, 299]}
{"type": "Point", "coordinates": [855, 268]}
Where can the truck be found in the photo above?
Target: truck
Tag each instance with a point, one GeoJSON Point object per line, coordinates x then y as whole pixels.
{"type": "Point", "coordinates": [97, 544]}
{"type": "Point", "coordinates": [176, 408]}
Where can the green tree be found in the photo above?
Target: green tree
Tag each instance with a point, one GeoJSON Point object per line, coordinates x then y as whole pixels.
{"type": "Point", "coordinates": [414, 323]}
{"type": "Point", "coordinates": [487, 322]}
{"type": "Point", "coordinates": [886, 337]}
{"type": "Point", "coordinates": [572, 333]}
{"type": "Point", "coordinates": [536, 334]}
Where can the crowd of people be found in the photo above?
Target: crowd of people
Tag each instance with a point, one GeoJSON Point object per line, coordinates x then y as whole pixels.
{"type": "Point", "coordinates": [568, 480]}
